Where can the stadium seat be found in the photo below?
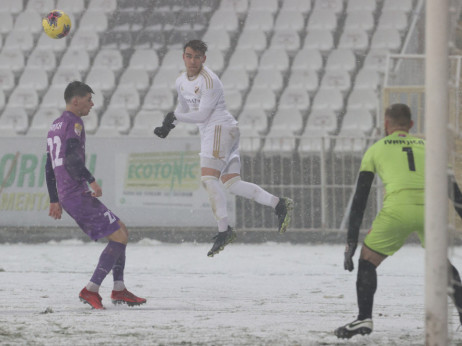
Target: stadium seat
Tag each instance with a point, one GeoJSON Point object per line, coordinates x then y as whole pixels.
{"type": "Point", "coordinates": [13, 121]}
{"type": "Point", "coordinates": [350, 141]}
{"type": "Point", "coordinates": [259, 98]}
{"type": "Point", "coordinates": [361, 19]}
{"type": "Point", "coordinates": [129, 22]}
{"type": "Point", "coordinates": [215, 61]}
{"type": "Point", "coordinates": [11, 6]}
{"type": "Point", "coordinates": [95, 21]}
{"type": "Point", "coordinates": [173, 59]}
{"type": "Point", "coordinates": [388, 39]}
{"type": "Point", "coordinates": [98, 100]}
{"type": "Point", "coordinates": [111, 58]}
{"type": "Point", "coordinates": [253, 123]}
{"type": "Point", "coordinates": [268, 80]}
{"type": "Point", "coordinates": [2, 100]}
{"type": "Point", "coordinates": [328, 99]}
{"type": "Point", "coordinates": [42, 120]}
{"type": "Point", "coordinates": [217, 39]}
{"type": "Point", "coordinates": [22, 40]}
{"type": "Point", "coordinates": [375, 60]}
{"type": "Point", "coordinates": [367, 79]}
{"type": "Point", "coordinates": [322, 19]}
{"type": "Point", "coordinates": [397, 5]}
{"type": "Point", "coordinates": [393, 19]}
{"type": "Point", "coordinates": [114, 122]}
{"type": "Point", "coordinates": [191, 21]}
{"type": "Point", "coordinates": [119, 40]}
{"type": "Point", "coordinates": [341, 59]}
{"type": "Point", "coordinates": [289, 40]}
{"type": "Point", "coordinates": [35, 78]}
{"type": "Point", "coordinates": [24, 97]}
{"type": "Point", "coordinates": [233, 98]}
{"type": "Point", "coordinates": [289, 19]}
{"type": "Point", "coordinates": [320, 124]}
{"type": "Point", "coordinates": [165, 78]}
{"type": "Point", "coordinates": [74, 7]}
{"type": "Point", "coordinates": [27, 21]}
{"type": "Point", "coordinates": [106, 6]}
{"type": "Point", "coordinates": [358, 119]}
{"type": "Point", "coordinates": [361, 5]}
{"type": "Point", "coordinates": [259, 20]}
{"type": "Point", "coordinates": [145, 59]}
{"type": "Point", "coordinates": [239, 6]}
{"type": "Point", "coordinates": [87, 40]}
{"type": "Point", "coordinates": [54, 98]}
{"type": "Point", "coordinates": [335, 6]}
{"type": "Point", "coordinates": [356, 40]}
{"type": "Point", "coordinates": [178, 38]}
{"type": "Point", "coordinates": [91, 122]}
{"type": "Point", "coordinates": [294, 98]}
{"type": "Point", "coordinates": [321, 40]}
{"type": "Point", "coordinates": [280, 138]}
{"type": "Point", "coordinates": [235, 79]}
{"type": "Point", "coordinates": [6, 23]}
{"type": "Point", "coordinates": [144, 123]}
{"type": "Point", "coordinates": [252, 39]}
{"type": "Point", "coordinates": [336, 79]}
{"type": "Point", "coordinates": [160, 21]}
{"type": "Point", "coordinates": [101, 78]}
{"type": "Point", "coordinates": [307, 59]}
{"type": "Point", "coordinates": [7, 80]}
{"type": "Point", "coordinates": [275, 60]}
{"type": "Point", "coordinates": [135, 78]}
{"type": "Point", "coordinates": [64, 75]}
{"type": "Point", "coordinates": [301, 6]}
{"type": "Point", "coordinates": [77, 58]}
{"type": "Point", "coordinates": [243, 59]}
{"type": "Point", "coordinates": [40, 6]}
{"type": "Point", "coordinates": [365, 99]}
{"type": "Point", "coordinates": [158, 99]}
{"type": "Point", "coordinates": [12, 60]}
{"type": "Point", "coordinates": [224, 19]}
{"type": "Point", "coordinates": [126, 98]}
{"type": "Point", "coordinates": [304, 79]}
{"type": "Point", "coordinates": [146, 39]}
{"type": "Point", "coordinates": [268, 5]}
{"type": "Point", "coordinates": [42, 58]}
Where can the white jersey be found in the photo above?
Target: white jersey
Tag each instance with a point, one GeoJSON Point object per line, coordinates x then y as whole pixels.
{"type": "Point", "coordinates": [201, 101]}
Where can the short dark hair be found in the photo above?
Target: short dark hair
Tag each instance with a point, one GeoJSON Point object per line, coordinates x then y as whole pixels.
{"type": "Point", "coordinates": [198, 45]}
{"type": "Point", "coordinates": [76, 88]}
{"type": "Point", "coordinates": [399, 113]}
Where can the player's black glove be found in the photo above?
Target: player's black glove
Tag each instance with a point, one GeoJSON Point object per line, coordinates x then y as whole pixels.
{"type": "Point", "coordinates": [350, 249]}
{"type": "Point", "coordinates": [167, 126]}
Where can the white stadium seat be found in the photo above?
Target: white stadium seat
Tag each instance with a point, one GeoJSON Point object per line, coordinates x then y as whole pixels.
{"type": "Point", "coordinates": [274, 59]}
{"type": "Point", "coordinates": [6, 22]}
{"type": "Point", "coordinates": [22, 40]}
{"type": "Point", "coordinates": [361, 5]}
{"type": "Point", "coordinates": [288, 39]}
{"type": "Point", "coordinates": [376, 60]}
{"type": "Point", "coordinates": [354, 39]}
{"type": "Point", "coordinates": [235, 79]}
{"type": "Point", "coordinates": [321, 123]}
{"type": "Point", "coordinates": [74, 7]}
{"type": "Point", "coordinates": [399, 5]}
{"type": "Point", "coordinates": [286, 123]}
{"type": "Point", "coordinates": [363, 99]}
{"type": "Point", "coordinates": [322, 19]}
{"type": "Point", "coordinates": [42, 120]}
{"type": "Point", "coordinates": [7, 80]}
{"type": "Point", "coordinates": [254, 39]}
{"type": "Point", "coordinates": [362, 19]}
{"type": "Point", "coordinates": [13, 121]}
{"type": "Point", "coordinates": [261, 98]}
{"type": "Point", "coordinates": [114, 122]}
{"type": "Point", "coordinates": [289, 19]}
{"type": "Point", "coordinates": [56, 46]}
{"type": "Point", "coordinates": [111, 58]}
{"type": "Point", "coordinates": [388, 39]}
{"type": "Point", "coordinates": [146, 59]}
{"type": "Point", "coordinates": [341, 59]}
{"type": "Point", "coordinates": [239, 6]}
{"type": "Point", "coordinates": [11, 6]}
{"type": "Point", "coordinates": [126, 98]}
{"type": "Point", "coordinates": [165, 78]}
{"type": "Point", "coordinates": [135, 78]}
{"type": "Point", "coordinates": [40, 6]}
{"type": "Point", "coordinates": [35, 78]}
{"type": "Point", "coordinates": [233, 100]}
{"type": "Point", "coordinates": [307, 59]}
{"type": "Point", "coordinates": [106, 6]}
{"type": "Point", "coordinates": [335, 6]}
{"type": "Point", "coordinates": [173, 59]}
{"type": "Point", "coordinates": [336, 79]}
{"type": "Point", "coordinates": [64, 75]}
{"type": "Point", "coordinates": [267, 5]}
{"type": "Point", "coordinates": [358, 119]}
{"type": "Point", "coordinates": [367, 79]}
{"type": "Point", "coordinates": [91, 122]}
{"type": "Point", "coordinates": [259, 20]}
{"type": "Point", "coordinates": [217, 39]}
{"type": "Point", "coordinates": [144, 123]}
{"type": "Point", "coordinates": [328, 99]}
{"type": "Point", "coordinates": [24, 97]}
{"type": "Point", "coordinates": [84, 39]}
{"type": "Point", "coordinates": [215, 61]}
{"type": "Point", "coordinates": [54, 98]}
{"type": "Point", "coordinates": [243, 59]}
{"type": "Point", "coordinates": [95, 21]}
{"type": "Point", "coordinates": [253, 123]}
{"type": "Point", "coordinates": [321, 40]}
{"type": "Point", "coordinates": [77, 58]}
{"type": "Point", "coordinates": [294, 98]}
{"type": "Point", "coordinates": [42, 58]}
{"type": "Point", "coordinates": [224, 19]}
{"type": "Point", "coordinates": [27, 21]}
{"type": "Point", "coordinates": [301, 6]}
{"type": "Point", "coordinates": [304, 79]}
{"type": "Point", "coordinates": [393, 19]}
{"type": "Point", "coordinates": [158, 99]}
{"type": "Point", "coordinates": [350, 141]}
{"type": "Point", "coordinates": [101, 78]}
{"type": "Point", "coordinates": [268, 80]}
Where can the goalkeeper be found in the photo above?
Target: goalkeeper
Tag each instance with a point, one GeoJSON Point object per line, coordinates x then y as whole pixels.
{"type": "Point", "coordinates": [201, 102]}
{"type": "Point", "coordinates": [399, 160]}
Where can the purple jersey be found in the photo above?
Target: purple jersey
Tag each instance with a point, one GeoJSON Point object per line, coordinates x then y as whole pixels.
{"type": "Point", "coordinates": [67, 126]}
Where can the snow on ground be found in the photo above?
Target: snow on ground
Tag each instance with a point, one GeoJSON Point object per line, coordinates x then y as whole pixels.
{"type": "Point", "coordinates": [259, 294]}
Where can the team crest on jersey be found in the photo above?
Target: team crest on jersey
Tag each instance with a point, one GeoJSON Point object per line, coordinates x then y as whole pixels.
{"type": "Point", "coordinates": [78, 129]}
{"type": "Point", "coordinates": [196, 90]}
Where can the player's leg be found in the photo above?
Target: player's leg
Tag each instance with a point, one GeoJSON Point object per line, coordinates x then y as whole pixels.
{"type": "Point", "coordinates": [456, 294]}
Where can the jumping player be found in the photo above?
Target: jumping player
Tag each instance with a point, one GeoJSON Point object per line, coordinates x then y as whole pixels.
{"type": "Point", "coordinates": [201, 101]}
{"type": "Point", "coordinates": [67, 179]}
{"type": "Point", "coordinates": [399, 160]}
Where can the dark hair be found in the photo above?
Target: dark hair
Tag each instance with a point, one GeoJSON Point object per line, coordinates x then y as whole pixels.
{"type": "Point", "coordinates": [76, 88]}
{"type": "Point", "coordinates": [399, 113]}
{"type": "Point", "coordinates": [197, 45]}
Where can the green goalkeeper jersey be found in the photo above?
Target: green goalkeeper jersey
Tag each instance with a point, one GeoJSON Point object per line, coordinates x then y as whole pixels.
{"type": "Point", "coordinates": [399, 160]}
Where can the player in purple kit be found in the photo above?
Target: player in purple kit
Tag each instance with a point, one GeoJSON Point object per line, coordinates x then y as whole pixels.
{"type": "Point", "coordinates": [67, 181]}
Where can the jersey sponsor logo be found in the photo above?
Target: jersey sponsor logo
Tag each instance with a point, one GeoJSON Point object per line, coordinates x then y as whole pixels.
{"type": "Point", "coordinates": [78, 129]}
{"type": "Point", "coordinates": [56, 126]}
{"type": "Point", "coordinates": [405, 141]}
{"type": "Point", "coordinates": [196, 90]}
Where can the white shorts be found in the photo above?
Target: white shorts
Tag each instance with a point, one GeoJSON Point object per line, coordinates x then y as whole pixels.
{"type": "Point", "coordinates": [220, 149]}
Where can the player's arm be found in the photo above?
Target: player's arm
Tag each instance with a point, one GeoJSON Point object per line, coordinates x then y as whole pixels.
{"type": "Point", "coordinates": [207, 104]}
{"type": "Point", "coordinates": [55, 210]}
{"type": "Point", "coordinates": [363, 187]}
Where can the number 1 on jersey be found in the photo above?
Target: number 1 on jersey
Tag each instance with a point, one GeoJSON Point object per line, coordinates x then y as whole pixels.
{"type": "Point", "coordinates": [410, 158]}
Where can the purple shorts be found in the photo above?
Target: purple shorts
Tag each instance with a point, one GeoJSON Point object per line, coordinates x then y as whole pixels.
{"type": "Point", "coordinates": [93, 217]}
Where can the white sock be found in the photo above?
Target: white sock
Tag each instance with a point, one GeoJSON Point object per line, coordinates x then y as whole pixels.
{"type": "Point", "coordinates": [217, 198]}
{"type": "Point", "coordinates": [119, 286]}
{"type": "Point", "coordinates": [251, 191]}
{"type": "Point", "coordinates": [92, 287]}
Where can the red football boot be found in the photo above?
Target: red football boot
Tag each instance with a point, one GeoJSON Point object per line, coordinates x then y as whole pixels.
{"type": "Point", "coordinates": [92, 298]}
{"type": "Point", "coordinates": [126, 297]}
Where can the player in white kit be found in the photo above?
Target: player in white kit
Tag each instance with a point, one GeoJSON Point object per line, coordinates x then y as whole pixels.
{"type": "Point", "coordinates": [201, 101]}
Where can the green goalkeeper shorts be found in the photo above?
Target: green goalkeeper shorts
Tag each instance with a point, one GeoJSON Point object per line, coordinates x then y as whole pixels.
{"type": "Point", "coordinates": [392, 227]}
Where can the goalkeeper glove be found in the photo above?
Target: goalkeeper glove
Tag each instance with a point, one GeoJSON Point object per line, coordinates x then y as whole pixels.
{"type": "Point", "coordinates": [167, 126]}
{"type": "Point", "coordinates": [350, 249]}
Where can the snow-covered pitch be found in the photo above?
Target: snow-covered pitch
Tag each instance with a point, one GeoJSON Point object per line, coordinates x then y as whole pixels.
{"type": "Point", "coordinates": [264, 294]}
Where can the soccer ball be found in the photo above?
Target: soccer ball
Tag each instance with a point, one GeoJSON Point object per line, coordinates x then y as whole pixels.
{"type": "Point", "coordinates": [56, 24]}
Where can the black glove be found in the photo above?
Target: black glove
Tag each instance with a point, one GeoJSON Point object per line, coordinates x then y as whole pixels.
{"type": "Point", "coordinates": [168, 120]}
{"type": "Point", "coordinates": [163, 131]}
{"type": "Point", "coordinates": [350, 249]}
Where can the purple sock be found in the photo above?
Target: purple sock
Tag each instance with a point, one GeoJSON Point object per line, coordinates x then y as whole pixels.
{"type": "Point", "coordinates": [118, 269]}
{"type": "Point", "coordinates": [107, 259]}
